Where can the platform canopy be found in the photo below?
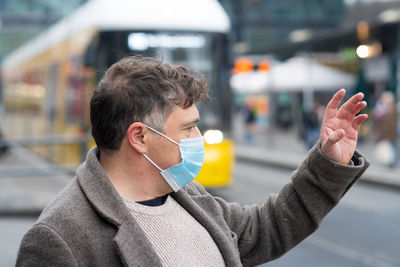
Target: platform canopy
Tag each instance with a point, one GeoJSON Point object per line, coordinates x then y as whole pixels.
{"type": "Point", "coordinates": [294, 75]}
{"type": "Point", "coordinates": [250, 82]}
{"type": "Point", "coordinates": [302, 73]}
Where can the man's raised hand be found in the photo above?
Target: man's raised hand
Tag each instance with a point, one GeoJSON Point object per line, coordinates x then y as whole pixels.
{"type": "Point", "coordinates": [339, 129]}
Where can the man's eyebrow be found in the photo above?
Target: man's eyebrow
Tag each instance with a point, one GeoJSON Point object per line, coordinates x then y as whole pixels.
{"type": "Point", "coordinates": [193, 122]}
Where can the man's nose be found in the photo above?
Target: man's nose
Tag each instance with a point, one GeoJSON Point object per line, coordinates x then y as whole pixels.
{"type": "Point", "coordinates": [196, 133]}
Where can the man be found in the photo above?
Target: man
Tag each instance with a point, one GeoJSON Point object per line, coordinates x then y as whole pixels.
{"type": "Point", "coordinates": [133, 203]}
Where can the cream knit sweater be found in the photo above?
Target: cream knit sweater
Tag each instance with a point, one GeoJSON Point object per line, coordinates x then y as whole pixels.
{"type": "Point", "coordinates": [178, 239]}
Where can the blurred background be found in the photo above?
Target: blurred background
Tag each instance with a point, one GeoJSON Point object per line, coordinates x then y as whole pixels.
{"type": "Point", "coordinates": [272, 67]}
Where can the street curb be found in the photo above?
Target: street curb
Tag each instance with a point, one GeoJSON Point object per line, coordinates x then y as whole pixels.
{"type": "Point", "coordinates": [291, 161]}
{"type": "Point", "coordinates": [34, 212]}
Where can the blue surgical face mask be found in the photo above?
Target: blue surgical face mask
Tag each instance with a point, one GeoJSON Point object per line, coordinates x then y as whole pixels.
{"type": "Point", "coordinates": [192, 154]}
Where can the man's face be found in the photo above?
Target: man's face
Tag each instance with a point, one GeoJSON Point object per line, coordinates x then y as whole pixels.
{"type": "Point", "coordinates": [180, 124]}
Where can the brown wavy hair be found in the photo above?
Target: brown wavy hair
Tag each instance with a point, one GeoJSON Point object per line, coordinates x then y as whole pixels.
{"type": "Point", "coordinates": [140, 89]}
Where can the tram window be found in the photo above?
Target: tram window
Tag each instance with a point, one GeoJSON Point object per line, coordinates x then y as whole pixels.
{"type": "Point", "coordinates": [179, 55]}
{"type": "Point", "coordinates": [75, 100]}
{"type": "Point", "coordinates": [51, 92]}
{"type": "Point", "coordinates": [89, 58]}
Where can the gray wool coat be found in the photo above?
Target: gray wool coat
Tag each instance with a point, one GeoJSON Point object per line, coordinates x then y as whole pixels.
{"type": "Point", "coordinates": [88, 224]}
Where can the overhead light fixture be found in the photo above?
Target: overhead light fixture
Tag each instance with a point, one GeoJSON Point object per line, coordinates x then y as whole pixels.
{"type": "Point", "coordinates": [242, 65]}
{"type": "Point", "coordinates": [142, 41]}
{"type": "Point", "coordinates": [241, 48]}
{"type": "Point", "coordinates": [390, 16]}
{"type": "Point", "coordinates": [363, 51]}
{"type": "Point", "coordinates": [369, 50]}
{"type": "Point", "coordinates": [213, 136]}
{"type": "Point", "coordinates": [362, 30]}
{"type": "Point", "coordinates": [301, 35]}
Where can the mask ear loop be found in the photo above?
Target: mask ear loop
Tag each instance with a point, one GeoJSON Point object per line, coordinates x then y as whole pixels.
{"type": "Point", "coordinates": [152, 162]}
{"type": "Point", "coordinates": [154, 130]}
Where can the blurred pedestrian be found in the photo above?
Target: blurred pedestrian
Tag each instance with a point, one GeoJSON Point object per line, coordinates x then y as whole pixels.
{"type": "Point", "coordinates": [250, 117]}
{"type": "Point", "coordinates": [4, 146]}
{"type": "Point", "coordinates": [284, 119]}
{"type": "Point", "coordinates": [133, 201]}
{"type": "Point", "coordinates": [311, 123]}
{"type": "Point", "coordinates": [385, 114]}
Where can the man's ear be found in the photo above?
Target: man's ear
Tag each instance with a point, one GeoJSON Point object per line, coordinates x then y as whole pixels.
{"type": "Point", "coordinates": [135, 135]}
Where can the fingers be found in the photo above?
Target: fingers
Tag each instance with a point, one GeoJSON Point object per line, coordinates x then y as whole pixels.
{"type": "Point", "coordinates": [333, 105]}
{"type": "Point", "coordinates": [359, 107]}
{"type": "Point", "coordinates": [357, 121]}
{"type": "Point", "coordinates": [348, 108]}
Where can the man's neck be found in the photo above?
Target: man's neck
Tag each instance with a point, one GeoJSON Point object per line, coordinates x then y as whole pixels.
{"type": "Point", "coordinates": [130, 177]}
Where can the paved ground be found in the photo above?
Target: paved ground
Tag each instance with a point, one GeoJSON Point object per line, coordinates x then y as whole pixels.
{"type": "Point", "coordinates": [360, 231]}
{"type": "Point", "coordinates": [27, 182]}
{"type": "Point", "coordinates": [12, 230]}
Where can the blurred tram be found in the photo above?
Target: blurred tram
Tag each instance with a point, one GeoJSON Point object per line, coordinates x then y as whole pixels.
{"type": "Point", "coordinates": [48, 82]}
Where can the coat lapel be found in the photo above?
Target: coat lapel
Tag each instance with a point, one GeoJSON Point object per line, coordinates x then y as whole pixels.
{"type": "Point", "coordinates": [131, 242]}
{"type": "Point", "coordinates": [135, 251]}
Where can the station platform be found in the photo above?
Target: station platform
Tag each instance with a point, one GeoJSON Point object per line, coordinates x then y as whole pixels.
{"type": "Point", "coordinates": [286, 150]}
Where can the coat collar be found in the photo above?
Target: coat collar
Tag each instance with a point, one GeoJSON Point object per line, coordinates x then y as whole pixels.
{"type": "Point", "coordinates": [130, 240]}
{"type": "Point", "coordinates": [100, 191]}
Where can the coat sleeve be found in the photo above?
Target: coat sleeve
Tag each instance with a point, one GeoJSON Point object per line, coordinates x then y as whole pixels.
{"type": "Point", "coordinates": [43, 246]}
{"type": "Point", "coordinates": [267, 231]}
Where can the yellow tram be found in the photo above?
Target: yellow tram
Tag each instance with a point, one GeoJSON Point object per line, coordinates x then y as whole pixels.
{"type": "Point", "coordinates": [47, 83]}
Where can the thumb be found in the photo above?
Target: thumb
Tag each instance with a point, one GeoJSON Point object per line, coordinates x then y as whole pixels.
{"type": "Point", "coordinates": [334, 137]}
